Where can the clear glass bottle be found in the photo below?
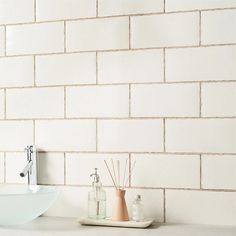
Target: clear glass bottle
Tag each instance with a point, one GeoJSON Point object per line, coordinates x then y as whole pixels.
{"type": "Point", "coordinates": [96, 199]}
{"type": "Point", "coordinates": [137, 209]}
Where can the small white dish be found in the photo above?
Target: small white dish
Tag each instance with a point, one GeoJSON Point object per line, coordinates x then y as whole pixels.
{"type": "Point", "coordinates": [108, 222]}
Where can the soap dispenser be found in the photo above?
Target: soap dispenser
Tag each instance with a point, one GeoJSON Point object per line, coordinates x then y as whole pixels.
{"type": "Point", "coordinates": [96, 199]}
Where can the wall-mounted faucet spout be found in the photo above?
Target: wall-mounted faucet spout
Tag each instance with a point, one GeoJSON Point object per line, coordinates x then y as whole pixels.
{"type": "Point", "coordinates": [31, 167]}
{"type": "Point", "coordinates": [26, 169]}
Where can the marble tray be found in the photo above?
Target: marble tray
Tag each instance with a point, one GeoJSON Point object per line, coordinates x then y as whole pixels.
{"type": "Point", "coordinates": [108, 222]}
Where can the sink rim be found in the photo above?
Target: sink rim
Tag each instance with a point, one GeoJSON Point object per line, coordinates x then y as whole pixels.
{"type": "Point", "coordinates": [49, 189]}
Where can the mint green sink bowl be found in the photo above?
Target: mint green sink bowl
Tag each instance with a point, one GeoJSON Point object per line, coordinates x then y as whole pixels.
{"type": "Point", "coordinates": [20, 204]}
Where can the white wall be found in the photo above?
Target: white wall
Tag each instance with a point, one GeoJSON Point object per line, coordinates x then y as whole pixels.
{"type": "Point", "coordinates": [148, 80]}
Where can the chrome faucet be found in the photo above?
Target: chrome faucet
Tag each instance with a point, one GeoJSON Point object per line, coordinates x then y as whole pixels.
{"type": "Point", "coordinates": [31, 167]}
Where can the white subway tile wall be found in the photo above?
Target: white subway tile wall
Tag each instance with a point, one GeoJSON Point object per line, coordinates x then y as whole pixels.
{"type": "Point", "coordinates": [2, 167]}
{"type": "Point", "coordinates": [165, 30]}
{"type": "Point", "coordinates": [151, 81]}
{"type": "Point", "coordinates": [27, 103]}
{"type": "Point", "coordinates": [127, 7]}
{"type": "Point", "coordinates": [218, 27]}
{"type": "Point", "coordinates": [166, 171]}
{"type": "Point", "coordinates": [2, 41]}
{"type": "Point", "coordinates": [165, 100]}
{"type": "Point", "coordinates": [187, 206]}
{"type": "Point", "coordinates": [65, 69]}
{"type": "Point", "coordinates": [130, 67]}
{"type": "Point", "coordinates": [14, 12]}
{"type": "Point", "coordinates": [90, 35]}
{"type": "Point", "coordinates": [217, 99]}
{"type": "Point", "coordinates": [218, 172]}
{"type": "Point", "coordinates": [2, 104]}
{"type": "Point", "coordinates": [97, 101]}
{"type": "Point", "coordinates": [35, 38]}
{"type": "Point", "coordinates": [64, 9]}
{"type": "Point", "coordinates": [21, 76]}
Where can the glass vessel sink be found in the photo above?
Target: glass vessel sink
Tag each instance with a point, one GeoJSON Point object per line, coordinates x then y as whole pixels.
{"type": "Point", "coordinates": [20, 204]}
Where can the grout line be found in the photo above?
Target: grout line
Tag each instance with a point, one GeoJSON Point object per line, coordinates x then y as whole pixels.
{"type": "Point", "coordinates": [130, 166]}
{"type": "Point", "coordinates": [200, 171]}
{"type": "Point", "coordinates": [200, 99]}
{"type": "Point", "coordinates": [164, 65]}
{"type": "Point", "coordinates": [119, 118]}
{"type": "Point", "coordinates": [96, 136]}
{"type": "Point", "coordinates": [164, 205]}
{"type": "Point", "coordinates": [96, 68]}
{"type": "Point", "coordinates": [34, 65]}
{"type": "Point", "coordinates": [129, 32]}
{"type": "Point", "coordinates": [65, 116]}
{"type": "Point", "coordinates": [149, 188]}
{"type": "Point", "coordinates": [116, 16]}
{"type": "Point", "coordinates": [130, 100]}
{"type": "Point", "coordinates": [64, 168]}
{"type": "Point", "coordinates": [164, 6]}
{"type": "Point", "coordinates": [4, 176]}
{"type": "Point", "coordinates": [121, 50]}
{"type": "Point", "coordinates": [97, 8]}
{"type": "Point", "coordinates": [64, 36]}
{"type": "Point", "coordinates": [132, 152]}
{"type": "Point", "coordinates": [35, 18]}
{"type": "Point", "coordinates": [5, 41]}
{"type": "Point", "coordinates": [164, 135]}
{"type": "Point", "coordinates": [5, 104]}
{"type": "Point", "coordinates": [116, 84]}
{"type": "Point", "coordinates": [200, 28]}
{"type": "Point", "coordinates": [34, 132]}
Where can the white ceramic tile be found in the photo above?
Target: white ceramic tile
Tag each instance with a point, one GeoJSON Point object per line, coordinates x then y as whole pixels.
{"type": "Point", "coordinates": [14, 11]}
{"type": "Point", "coordinates": [28, 103]}
{"type": "Point", "coordinates": [186, 5]}
{"type": "Point", "coordinates": [35, 38]}
{"type": "Point", "coordinates": [2, 168]}
{"type": "Point", "coordinates": [2, 104]}
{"type": "Point", "coordinates": [51, 168]}
{"type": "Point", "coordinates": [159, 168]}
{"type": "Point", "coordinates": [152, 200]}
{"type": "Point", "coordinates": [201, 135]}
{"type": "Point", "coordinates": [218, 99]}
{"type": "Point", "coordinates": [218, 172]}
{"type": "Point", "coordinates": [199, 64]}
{"type": "Point", "coordinates": [65, 69]}
{"type": "Point", "coordinates": [178, 100]}
{"type": "Point", "coordinates": [64, 9]}
{"type": "Point", "coordinates": [130, 135]}
{"type": "Point", "coordinates": [127, 7]}
{"type": "Point", "coordinates": [21, 76]}
{"type": "Point", "coordinates": [201, 207]}
{"type": "Point", "coordinates": [15, 135]}
{"type": "Point", "coordinates": [97, 101]}
{"type": "Point", "coordinates": [15, 163]}
{"type": "Point", "coordinates": [131, 66]}
{"type": "Point", "coordinates": [65, 135]}
{"type": "Point", "coordinates": [2, 41]}
{"type": "Point", "coordinates": [218, 27]}
{"type": "Point", "coordinates": [71, 202]}
{"type": "Point", "coordinates": [165, 30]}
{"type": "Point", "coordinates": [97, 34]}
{"type": "Point", "coordinates": [80, 166]}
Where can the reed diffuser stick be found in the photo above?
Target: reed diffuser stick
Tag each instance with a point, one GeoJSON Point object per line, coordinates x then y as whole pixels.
{"type": "Point", "coordinates": [131, 171]}
{"type": "Point", "coordinates": [114, 172]}
{"type": "Point", "coordinates": [118, 170]}
{"type": "Point", "coordinates": [110, 174]}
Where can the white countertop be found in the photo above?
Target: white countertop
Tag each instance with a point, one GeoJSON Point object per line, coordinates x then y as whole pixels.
{"type": "Point", "coordinates": [53, 226]}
